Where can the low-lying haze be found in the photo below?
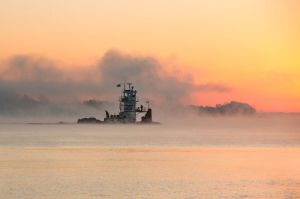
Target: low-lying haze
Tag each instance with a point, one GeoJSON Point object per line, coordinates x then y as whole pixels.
{"type": "Point", "coordinates": [37, 86]}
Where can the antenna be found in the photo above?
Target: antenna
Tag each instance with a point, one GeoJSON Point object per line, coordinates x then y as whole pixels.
{"type": "Point", "coordinates": [129, 85]}
{"type": "Point", "coordinates": [148, 104]}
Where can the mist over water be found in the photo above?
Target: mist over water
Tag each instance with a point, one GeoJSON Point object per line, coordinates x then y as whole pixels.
{"type": "Point", "coordinates": [188, 131]}
{"type": "Point", "coordinates": [184, 157]}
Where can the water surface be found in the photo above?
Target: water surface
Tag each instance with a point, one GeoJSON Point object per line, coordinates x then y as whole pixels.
{"type": "Point", "coordinates": [207, 158]}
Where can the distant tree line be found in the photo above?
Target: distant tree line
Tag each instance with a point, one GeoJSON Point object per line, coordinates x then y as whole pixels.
{"type": "Point", "coordinates": [230, 108]}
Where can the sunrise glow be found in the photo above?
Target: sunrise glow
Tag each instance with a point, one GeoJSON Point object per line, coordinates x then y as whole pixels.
{"type": "Point", "coordinates": [250, 47]}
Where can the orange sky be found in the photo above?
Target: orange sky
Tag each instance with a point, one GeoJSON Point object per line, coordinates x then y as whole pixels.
{"type": "Point", "coordinates": [253, 46]}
